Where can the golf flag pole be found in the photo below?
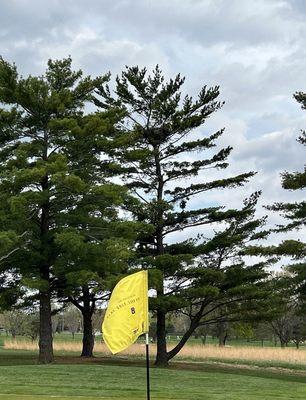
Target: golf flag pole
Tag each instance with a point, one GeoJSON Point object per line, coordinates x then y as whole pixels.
{"type": "Point", "coordinates": [127, 316]}
{"type": "Point", "coordinates": [148, 366]}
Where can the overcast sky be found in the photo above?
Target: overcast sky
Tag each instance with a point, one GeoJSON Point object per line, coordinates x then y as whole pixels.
{"type": "Point", "coordinates": [254, 49]}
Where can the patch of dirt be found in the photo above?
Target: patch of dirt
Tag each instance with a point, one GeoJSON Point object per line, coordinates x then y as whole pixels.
{"type": "Point", "coordinates": [196, 365]}
{"type": "Point", "coordinates": [182, 365]}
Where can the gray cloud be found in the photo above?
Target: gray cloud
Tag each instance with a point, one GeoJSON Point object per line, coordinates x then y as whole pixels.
{"type": "Point", "coordinates": [255, 51]}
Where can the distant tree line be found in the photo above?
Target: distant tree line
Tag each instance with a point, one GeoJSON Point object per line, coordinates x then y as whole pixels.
{"type": "Point", "coordinates": [285, 329]}
{"type": "Point", "coordinates": [26, 323]}
{"type": "Point", "coordinates": [99, 180]}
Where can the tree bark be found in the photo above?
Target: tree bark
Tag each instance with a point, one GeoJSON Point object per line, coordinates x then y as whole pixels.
{"type": "Point", "coordinates": [183, 341]}
{"type": "Point", "coordinates": [45, 329]}
{"type": "Point", "coordinates": [45, 325]}
{"type": "Point", "coordinates": [161, 355]}
{"type": "Point", "coordinates": [88, 337]}
{"type": "Point", "coordinates": [194, 324]}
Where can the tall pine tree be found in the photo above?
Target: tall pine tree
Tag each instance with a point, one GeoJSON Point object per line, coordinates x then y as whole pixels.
{"type": "Point", "coordinates": [50, 179]}
{"type": "Point", "coordinates": [163, 164]}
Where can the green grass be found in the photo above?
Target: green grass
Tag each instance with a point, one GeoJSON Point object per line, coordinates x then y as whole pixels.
{"type": "Point", "coordinates": [22, 379]}
{"type": "Point", "coordinates": [109, 379]}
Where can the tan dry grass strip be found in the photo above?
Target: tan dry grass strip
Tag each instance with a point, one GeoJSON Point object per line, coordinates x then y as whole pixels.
{"type": "Point", "coordinates": [194, 352]}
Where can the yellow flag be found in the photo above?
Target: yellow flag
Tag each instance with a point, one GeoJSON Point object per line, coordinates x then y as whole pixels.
{"type": "Point", "coordinates": [126, 316]}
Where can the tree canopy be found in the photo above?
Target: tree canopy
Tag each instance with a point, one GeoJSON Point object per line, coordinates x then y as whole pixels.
{"type": "Point", "coordinates": [89, 196]}
{"type": "Point", "coordinates": [54, 193]}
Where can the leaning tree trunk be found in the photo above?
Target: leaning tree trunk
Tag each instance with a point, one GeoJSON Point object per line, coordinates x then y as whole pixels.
{"type": "Point", "coordinates": [194, 324]}
{"type": "Point", "coordinates": [88, 336]}
{"type": "Point", "coordinates": [182, 342]}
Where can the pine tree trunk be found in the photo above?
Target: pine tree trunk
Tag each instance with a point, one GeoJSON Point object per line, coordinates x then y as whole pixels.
{"type": "Point", "coordinates": [161, 355]}
{"type": "Point", "coordinates": [45, 320]}
{"type": "Point", "coordinates": [45, 329]}
{"type": "Point", "coordinates": [88, 337]}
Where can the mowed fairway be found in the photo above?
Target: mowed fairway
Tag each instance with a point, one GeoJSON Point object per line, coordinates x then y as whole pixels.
{"type": "Point", "coordinates": [22, 379]}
